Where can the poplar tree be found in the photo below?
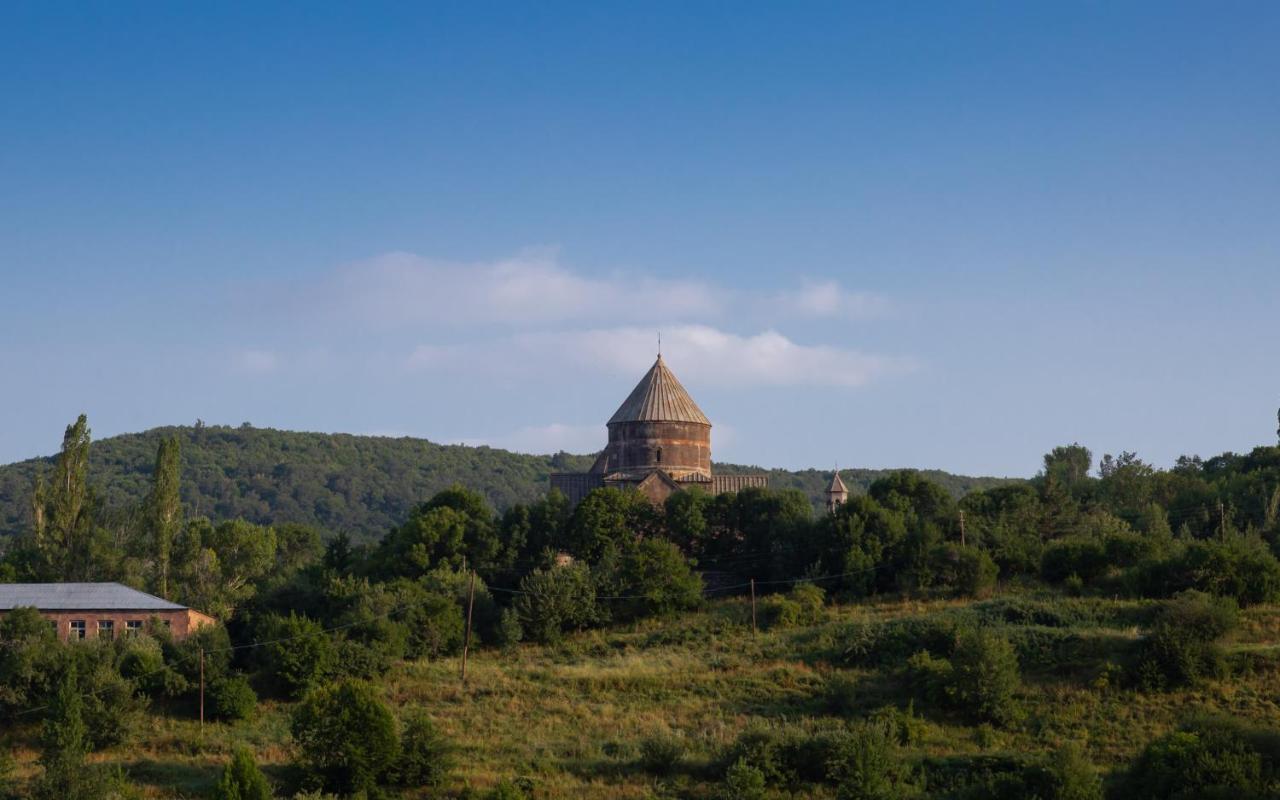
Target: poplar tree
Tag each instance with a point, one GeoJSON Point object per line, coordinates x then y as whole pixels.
{"type": "Point", "coordinates": [63, 507]}
{"type": "Point", "coordinates": [164, 509]}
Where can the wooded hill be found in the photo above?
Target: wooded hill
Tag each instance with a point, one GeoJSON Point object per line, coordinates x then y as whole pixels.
{"type": "Point", "coordinates": [361, 485]}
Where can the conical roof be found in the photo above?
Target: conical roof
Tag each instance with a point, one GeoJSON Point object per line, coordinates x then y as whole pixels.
{"type": "Point", "coordinates": [837, 485]}
{"type": "Point", "coordinates": [659, 397]}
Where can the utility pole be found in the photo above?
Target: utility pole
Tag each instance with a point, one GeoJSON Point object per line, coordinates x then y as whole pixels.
{"type": "Point", "coordinates": [202, 690]}
{"type": "Point", "coordinates": [962, 527]}
{"type": "Point", "coordinates": [754, 631]}
{"type": "Point", "coordinates": [1222, 521]}
{"type": "Point", "coordinates": [466, 643]}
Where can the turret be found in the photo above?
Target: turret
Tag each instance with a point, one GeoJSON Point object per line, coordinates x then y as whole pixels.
{"type": "Point", "coordinates": [837, 494]}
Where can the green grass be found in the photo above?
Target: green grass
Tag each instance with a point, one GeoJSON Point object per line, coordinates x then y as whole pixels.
{"type": "Point", "coordinates": [571, 718]}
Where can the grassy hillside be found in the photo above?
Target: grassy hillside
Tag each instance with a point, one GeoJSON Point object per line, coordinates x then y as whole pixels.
{"type": "Point", "coordinates": [571, 720]}
{"type": "Point", "coordinates": [338, 482]}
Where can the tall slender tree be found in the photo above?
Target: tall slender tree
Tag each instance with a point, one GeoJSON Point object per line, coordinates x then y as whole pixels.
{"type": "Point", "coordinates": [64, 507]}
{"type": "Point", "coordinates": [164, 510]}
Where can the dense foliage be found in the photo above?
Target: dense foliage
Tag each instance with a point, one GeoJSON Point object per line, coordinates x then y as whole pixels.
{"type": "Point", "coordinates": [360, 485]}
{"type": "Point", "coordinates": [313, 620]}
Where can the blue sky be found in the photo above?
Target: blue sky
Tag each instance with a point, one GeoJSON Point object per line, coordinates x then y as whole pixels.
{"type": "Point", "coordinates": [889, 234]}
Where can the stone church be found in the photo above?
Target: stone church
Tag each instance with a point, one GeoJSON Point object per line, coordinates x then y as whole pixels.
{"type": "Point", "coordinates": [659, 443]}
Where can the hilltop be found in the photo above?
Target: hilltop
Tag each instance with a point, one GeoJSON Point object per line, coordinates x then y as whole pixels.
{"type": "Point", "coordinates": [362, 485]}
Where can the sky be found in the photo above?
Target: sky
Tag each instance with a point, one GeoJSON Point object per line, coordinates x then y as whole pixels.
{"type": "Point", "coordinates": [903, 234]}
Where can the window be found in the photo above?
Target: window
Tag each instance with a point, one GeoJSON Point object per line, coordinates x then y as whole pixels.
{"type": "Point", "coordinates": [132, 627]}
{"type": "Point", "coordinates": [77, 629]}
{"type": "Point", "coordinates": [659, 455]}
{"type": "Point", "coordinates": [106, 629]}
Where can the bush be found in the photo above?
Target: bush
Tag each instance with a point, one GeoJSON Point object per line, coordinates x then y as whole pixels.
{"type": "Point", "coordinates": [868, 766]}
{"type": "Point", "coordinates": [660, 755]}
{"type": "Point", "coordinates": [231, 698]}
{"type": "Point", "coordinates": [1065, 775]}
{"type": "Point", "coordinates": [1243, 569]}
{"type": "Point", "coordinates": [1207, 758]}
{"type": "Point", "coordinates": [985, 676]}
{"type": "Point", "coordinates": [764, 748]}
{"type": "Point", "coordinates": [436, 628]}
{"type": "Point", "coordinates": [1086, 558]}
{"type": "Point", "coordinates": [966, 571]}
{"type": "Point", "coordinates": [810, 600]}
{"type": "Point", "coordinates": [1181, 648]}
{"type": "Point", "coordinates": [347, 737]}
{"type": "Point", "coordinates": [841, 692]}
{"type": "Point", "coordinates": [556, 600]}
{"type": "Point", "coordinates": [242, 780]}
{"type": "Point", "coordinates": [298, 656]}
{"type": "Point", "coordinates": [778, 611]}
{"type": "Point", "coordinates": [866, 643]}
{"type": "Point", "coordinates": [742, 782]}
{"type": "Point", "coordinates": [424, 754]}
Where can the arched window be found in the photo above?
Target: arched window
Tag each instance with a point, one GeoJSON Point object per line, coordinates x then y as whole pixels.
{"type": "Point", "coordinates": [659, 460]}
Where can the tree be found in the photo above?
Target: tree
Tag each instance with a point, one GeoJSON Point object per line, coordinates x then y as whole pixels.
{"type": "Point", "coordinates": [985, 675]}
{"type": "Point", "coordinates": [242, 780]}
{"type": "Point", "coordinates": [299, 655]}
{"type": "Point", "coordinates": [424, 754]}
{"type": "Point", "coordinates": [1068, 465]}
{"type": "Point", "coordinates": [656, 574]}
{"type": "Point", "coordinates": [164, 509]}
{"type": "Point", "coordinates": [555, 600]}
{"type": "Point", "coordinates": [29, 658]}
{"type": "Point", "coordinates": [64, 744]}
{"type": "Point", "coordinates": [64, 509]}
{"type": "Point", "coordinates": [347, 737]}
{"type": "Point", "coordinates": [858, 542]}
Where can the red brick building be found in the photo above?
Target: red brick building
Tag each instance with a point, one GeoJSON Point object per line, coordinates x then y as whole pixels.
{"type": "Point", "coordinates": [659, 443]}
{"type": "Point", "coordinates": [92, 610]}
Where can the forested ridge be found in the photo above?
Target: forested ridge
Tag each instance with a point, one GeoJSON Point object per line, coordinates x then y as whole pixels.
{"type": "Point", "coordinates": [338, 482]}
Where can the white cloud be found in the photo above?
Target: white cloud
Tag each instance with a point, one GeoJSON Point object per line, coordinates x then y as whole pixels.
{"type": "Point", "coordinates": [541, 439]}
{"type": "Point", "coordinates": [530, 288]}
{"type": "Point", "coordinates": [257, 362]}
{"type": "Point", "coordinates": [830, 299]}
{"type": "Point", "coordinates": [712, 356]}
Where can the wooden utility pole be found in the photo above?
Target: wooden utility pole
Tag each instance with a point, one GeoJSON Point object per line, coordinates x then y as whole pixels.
{"type": "Point", "coordinates": [202, 690]}
{"type": "Point", "coordinates": [1222, 521]}
{"type": "Point", "coordinates": [753, 607]}
{"type": "Point", "coordinates": [466, 642]}
{"type": "Point", "coordinates": [962, 527]}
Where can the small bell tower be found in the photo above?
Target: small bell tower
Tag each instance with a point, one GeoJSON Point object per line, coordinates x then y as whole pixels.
{"type": "Point", "coordinates": [837, 494]}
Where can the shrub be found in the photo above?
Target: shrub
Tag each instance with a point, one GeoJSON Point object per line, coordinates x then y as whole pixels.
{"type": "Point", "coordinates": [347, 737]}
{"type": "Point", "coordinates": [436, 628]}
{"type": "Point", "coordinates": [865, 643]}
{"type": "Point", "coordinates": [742, 782]}
{"type": "Point", "coordinates": [841, 693]}
{"type": "Point", "coordinates": [509, 632]}
{"type": "Point", "coordinates": [1181, 647]}
{"type": "Point", "coordinates": [868, 766]}
{"type": "Point", "coordinates": [424, 754]}
{"type": "Point", "coordinates": [810, 600]}
{"type": "Point", "coordinates": [966, 571]}
{"type": "Point", "coordinates": [29, 658]}
{"type": "Point", "coordinates": [506, 790]}
{"type": "Point", "coordinates": [231, 697]}
{"type": "Point", "coordinates": [1086, 558]}
{"type": "Point", "coordinates": [763, 747]}
{"type": "Point", "coordinates": [298, 656]}
{"type": "Point", "coordinates": [1206, 758]}
{"type": "Point", "coordinates": [985, 676]}
{"type": "Point", "coordinates": [1243, 569]}
{"type": "Point", "coordinates": [1065, 775]}
{"type": "Point", "coordinates": [779, 611]}
{"type": "Point", "coordinates": [556, 600]}
{"type": "Point", "coordinates": [242, 780]}
{"type": "Point", "coordinates": [660, 755]}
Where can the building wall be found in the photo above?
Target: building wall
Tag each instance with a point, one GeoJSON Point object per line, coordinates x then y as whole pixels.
{"type": "Point", "coordinates": [181, 622]}
{"type": "Point", "coordinates": [678, 448]}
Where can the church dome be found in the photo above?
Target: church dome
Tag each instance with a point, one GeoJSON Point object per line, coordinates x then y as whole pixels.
{"type": "Point", "coordinates": [659, 397]}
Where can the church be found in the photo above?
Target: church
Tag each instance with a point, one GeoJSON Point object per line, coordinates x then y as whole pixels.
{"type": "Point", "coordinates": [659, 443]}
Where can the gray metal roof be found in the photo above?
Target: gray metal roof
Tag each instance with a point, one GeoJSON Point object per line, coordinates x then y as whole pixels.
{"type": "Point", "coordinates": [81, 597]}
{"type": "Point", "coordinates": [659, 397]}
